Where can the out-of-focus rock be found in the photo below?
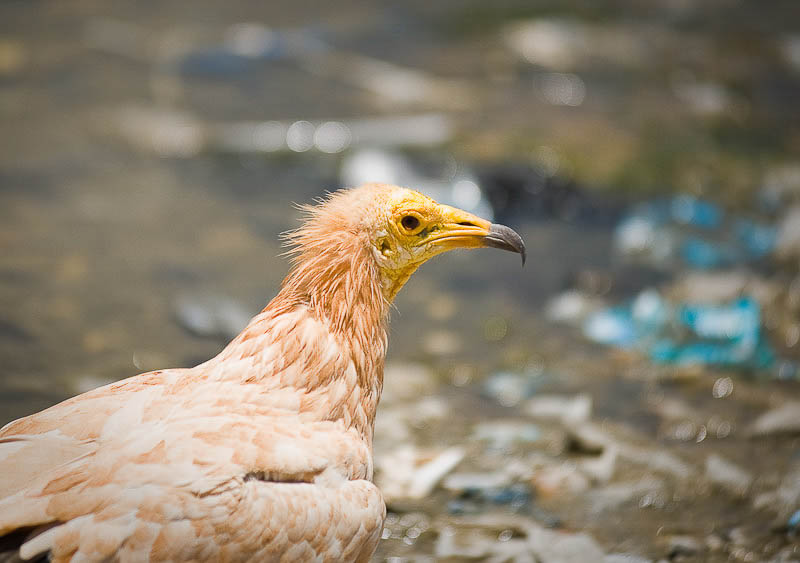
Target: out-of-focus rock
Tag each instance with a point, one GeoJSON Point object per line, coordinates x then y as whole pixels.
{"type": "Point", "coordinates": [709, 287]}
{"type": "Point", "coordinates": [786, 498]}
{"type": "Point", "coordinates": [625, 558]}
{"type": "Point", "coordinates": [461, 482]}
{"type": "Point", "coordinates": [657, 460]}
{"type": "Point", "coordinates": [495, 537]}
{"type": "Point", "coordinates": [558, 547]}
{"type": "Point", "coordinates": [442, 342]}
{"type": "Point", "coordinates": [509, 389]}
{"type": "Point", "coordinates": [391, 427]}
{"type": "Point", "coordinates": [504, 434]}
{"type": "Point", "coordinates": [410, 473]}
{"type": "Point", "coordinates": [726, 474]}
{"type": "Point", "coordinates": [211, 315]}
{"type": "Point", "coordinates": [612, 496]}
{"type": "Point", "coordinates": [780, 420]}
{"type": "Point", "coordinates": [571, 307]}
{"type": "Point", "coordinates": [568, 410]}
{"type": "Point", "coordinates": [601, 468]}
{"type": "Point", "coordinates": [559, 479]}
{"type": "Point", "coordinates": [406, 382]}
{"type": "Point", "coordinates": [781, 185]}
{"type": "Point", "coordinates": [683, 546]}
{"type": "Point", "coordinates": [395, 422]}
{"type": "Point", "coordinates": [563, 44]}
{"type": "Point", "coordinates": [588, 438]}
{"type": "Point", "coordinates": [703, 98]}
{"type": "Point", "coordinates": [788, 238]}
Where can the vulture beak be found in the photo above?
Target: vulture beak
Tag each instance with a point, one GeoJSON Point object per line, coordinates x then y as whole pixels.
{"type": "Point", "coordinates": [460, 229]}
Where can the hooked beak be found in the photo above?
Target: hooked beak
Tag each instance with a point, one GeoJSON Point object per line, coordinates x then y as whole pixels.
{"type": "Point", "coordinates": [464, 230]}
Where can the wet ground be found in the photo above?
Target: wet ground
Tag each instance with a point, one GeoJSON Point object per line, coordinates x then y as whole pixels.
{"type": "Point", "coordinates": [150, 158]}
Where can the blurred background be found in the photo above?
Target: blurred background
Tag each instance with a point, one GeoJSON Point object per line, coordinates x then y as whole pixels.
{"type": "Point", "coordinates": [632, 394]}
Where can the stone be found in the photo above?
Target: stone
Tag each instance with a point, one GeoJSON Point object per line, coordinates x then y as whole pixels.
{"type": "Point", "coordinates": [406, 381]}
{"type": "Point", "coordinates": [565, 408]}
{"type": "Point", "coordinates": [784, 419]}
{"type": "Point", "coordinates": [683, 546]}
{"type": "Point", "coordinates": [410, 473]}
{"type": "Point", "coordinates": [727, 475]}
{"type": "Point", "coordinates": [612, 496]}
{"type": "Point", "coordinates": [503, 434]}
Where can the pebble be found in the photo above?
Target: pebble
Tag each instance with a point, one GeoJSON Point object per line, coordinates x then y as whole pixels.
{"type": "Point", "coordinates": [625, 558]}
{"type": "Point", "coordinates": [788, 238]}
{"type": "Point", "coordinates": [565, 408]}
{"type": "Point", "coordinates": [601, 468]}
{"type": "Point", "coordinates": [498, 537]}
{"type": "Point", "coordinates": [502, 435]}
{"type": "Point", "coordinates": [461, 482]}
{"type": "Point", "coordinates": [685, 546]}
{"type": "Point", "coordinates": [509, 389]}
{"type": "Point", "coordinates": [612, 496]}
{"type": "Point", "coordinates": [560, 479]}
{"type": "Point", "coordinates": [781, 420]}
{"type": "Point", "coordinates": [727, 475]}
{"type": "Point", "coordinates": [410, 473]}
{"type": "Point", "coordinates": [559, 547]}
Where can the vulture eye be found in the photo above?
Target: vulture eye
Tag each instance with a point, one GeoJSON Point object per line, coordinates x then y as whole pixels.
{"type": "Point", "coordinates": [410, 223]}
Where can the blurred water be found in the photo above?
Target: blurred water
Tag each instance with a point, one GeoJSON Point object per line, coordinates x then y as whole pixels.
{"type": "Point", "coordinates": [150, 158]}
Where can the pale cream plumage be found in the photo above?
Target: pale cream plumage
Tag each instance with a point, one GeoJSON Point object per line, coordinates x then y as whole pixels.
{"type": "Point", "coordinates": [263, 453]}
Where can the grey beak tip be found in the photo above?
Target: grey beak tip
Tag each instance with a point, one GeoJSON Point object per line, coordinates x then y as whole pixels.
{"type": "Point", "coordinates": [505, 238]}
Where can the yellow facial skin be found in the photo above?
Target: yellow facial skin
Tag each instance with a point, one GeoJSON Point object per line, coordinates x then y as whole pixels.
{"type": "Point", "coordinates": [417, 229]}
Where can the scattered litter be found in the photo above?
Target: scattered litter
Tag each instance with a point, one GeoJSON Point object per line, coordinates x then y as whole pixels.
{"type": "Point", "coordinates": [727, 334]}
{"type": "Point", "coordinates": [794, 521]}
{"type": "Point", "coordinates": [694, 232]}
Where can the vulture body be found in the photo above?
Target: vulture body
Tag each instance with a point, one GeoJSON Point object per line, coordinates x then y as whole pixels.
{"type": "Point", "coordinates": [263, 453]}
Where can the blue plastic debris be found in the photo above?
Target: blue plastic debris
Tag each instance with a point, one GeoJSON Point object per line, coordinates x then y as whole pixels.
{"type": "Point", "coordinates": [704, 254]}
{"type": "Point", "coordinates": [614, 327]}
{"type": "Point", "coordinates": [794, 521]}
{"type": "Point", "coordinates": [757, 239]}
{"type": "Point", "coordinates": [689, 210]}
{"type": "Point", "coordinates": [517, 497]}
{"type": "Point", "coordinates": [693, 231]}
{"type": "Point", "coordinates": [727, 334]}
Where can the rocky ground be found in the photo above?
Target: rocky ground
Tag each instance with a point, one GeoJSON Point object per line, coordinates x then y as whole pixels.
{"type": "Point", "coordinates": [631, 395]}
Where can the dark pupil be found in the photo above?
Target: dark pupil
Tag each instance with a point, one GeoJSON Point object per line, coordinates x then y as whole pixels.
{"type": "Point", "coordinates": [410, 222]}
